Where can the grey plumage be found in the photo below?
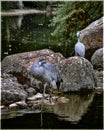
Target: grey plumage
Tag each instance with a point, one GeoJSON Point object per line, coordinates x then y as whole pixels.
{"type": "Point", "coordinates": [79, 47]}
{"type": "Point", "coordinates": [47, 73]}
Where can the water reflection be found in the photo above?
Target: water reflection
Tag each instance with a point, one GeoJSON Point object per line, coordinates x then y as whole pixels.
{"type": "Point", "coordinates": [81, 112]}
{"type": "Point", "coordinates": [74, 109]}
{"type": "Point", "coordinates": [19, 21]}
{"type": "Point", "coordinates": [24, 33]}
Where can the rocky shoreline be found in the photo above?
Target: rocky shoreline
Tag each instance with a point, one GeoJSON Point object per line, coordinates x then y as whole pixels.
{"type": "Point", "coordinates": [18, 88]}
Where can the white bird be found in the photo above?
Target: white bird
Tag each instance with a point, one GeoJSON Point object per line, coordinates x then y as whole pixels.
{"type": "Point", "coordinates": [79, 47]}
{"type": "Point", "coordinates": [48, 74]}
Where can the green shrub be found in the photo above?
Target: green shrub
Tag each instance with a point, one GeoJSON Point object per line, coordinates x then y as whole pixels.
{"type": "Point", "coordinates": [72, 17]}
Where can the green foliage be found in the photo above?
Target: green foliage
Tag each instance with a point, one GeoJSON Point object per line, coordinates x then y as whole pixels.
{"type": "Point", "coordinates": [7, 5]}
{"type": "Point", "coordinates": [73, 16]}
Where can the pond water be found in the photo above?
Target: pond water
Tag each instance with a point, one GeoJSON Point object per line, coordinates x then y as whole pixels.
{"type": "Point", "coordinates": [29, 33]}
{"type": "Point", "coordinates": [82, 111]}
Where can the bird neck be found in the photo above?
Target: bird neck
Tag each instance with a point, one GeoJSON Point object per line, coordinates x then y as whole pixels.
{"type": "Point", "coordinates": [79, 38]}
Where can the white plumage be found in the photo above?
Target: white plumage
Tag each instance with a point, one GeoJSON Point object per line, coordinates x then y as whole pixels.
{"type": "Point", "coordinates": [79, 47]}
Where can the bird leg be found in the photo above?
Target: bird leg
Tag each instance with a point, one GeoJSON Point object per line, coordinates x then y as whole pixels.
{"type": "Point", "coordinates": [43, 97]}
{"type": "Point", "coordinates": [51, 89]}
{"type": "Point", "coordinates": [44, 93]}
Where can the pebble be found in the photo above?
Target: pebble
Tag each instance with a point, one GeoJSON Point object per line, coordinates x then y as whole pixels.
{"type": "Point", "coordinates": [22, 105]}
{"type": "Point", "coordinates": [3, 107]}
{"type": "Point", "coordinates": [37, 96]}
{"type": "Point", "coordinates": [13, 107]}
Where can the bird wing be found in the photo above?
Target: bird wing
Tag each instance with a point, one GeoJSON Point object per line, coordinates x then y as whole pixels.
{"type": "Point", "coordinates": [52, 75]}
{"type": "Point", "coordinates": [52, 71]}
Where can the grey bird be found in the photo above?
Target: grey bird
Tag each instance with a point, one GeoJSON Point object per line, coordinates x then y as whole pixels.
{"type": "Point", "coordinates": [79, 47]}
{"type": "Point", "coordinates": [48, 74]}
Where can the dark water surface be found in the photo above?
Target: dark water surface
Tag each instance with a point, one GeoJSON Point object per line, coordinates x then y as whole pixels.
{"type": "Point", "coordinates": [82, 112]}
{"type": "Point", "coordinates": [29, 33]}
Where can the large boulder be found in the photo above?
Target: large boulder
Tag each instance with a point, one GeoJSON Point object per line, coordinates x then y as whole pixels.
{"type": "Point", "coordinates": [97, 58]}
{"type": "Point", "coordinates": [77, 74]}
{"type": "Point", "coordinates": [19, 64]}
{"type": "Point", "coordinates": [92, 37]}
